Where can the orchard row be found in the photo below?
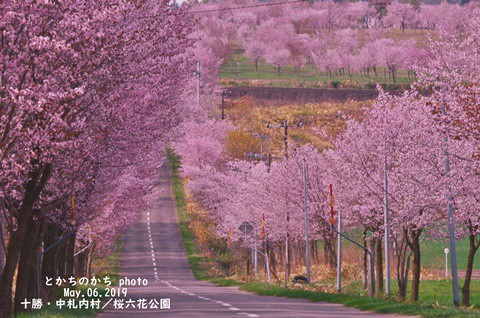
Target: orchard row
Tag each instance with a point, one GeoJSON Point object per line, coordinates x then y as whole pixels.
{"type": "Point", "coordinates": [342, 38]}
{"type": "Point", "coordinates": [89, 91]}
{"type": "Point", "coordinates": [413, 135]}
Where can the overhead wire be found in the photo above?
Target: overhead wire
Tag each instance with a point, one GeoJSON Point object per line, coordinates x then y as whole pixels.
{"type": "Point", "coordinates": [225, 9]}
{"type": "Point", "coordinates": [249, 6]}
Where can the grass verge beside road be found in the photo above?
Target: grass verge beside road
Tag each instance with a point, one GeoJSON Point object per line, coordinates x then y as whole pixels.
{"type": "Point", "coordinates": [199, 264]}
{"type": "Point", "coordinates": [194, 253]}
{"type": "Point", "coordinates": [386, 306]}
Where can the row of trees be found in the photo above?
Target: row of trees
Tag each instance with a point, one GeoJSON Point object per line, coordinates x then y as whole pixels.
{"type": "Point", "coordinates": [330, 15]}
{"type": "Point", "coordinates": [412, 134]}
{"type": "Point", "coordinates": [88, 93]}
{"type": "Point", "coordinates": [335, 37]}
{"type": "Point", "coordinates": [277, 43]}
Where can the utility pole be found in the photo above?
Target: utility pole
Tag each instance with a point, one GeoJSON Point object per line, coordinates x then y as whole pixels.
{"type": "Point", "coordinates": [285, 126]}
{"type": "Point", "coordinates": [262, 137]}
{"type": "Point", "coordinates": [247, 269]}
{"type": "Point", "coordinates": [305, 206]}
{"type": "Point", "coordinates": [451, 221]}
{"type": "Point", "coordinates": [387, 228]}
{"type": "Point", "coordinates": [197, 73]}
{"type": "Point", "coordinates": [223, 104]}
{"type": "Point", "coordinates": [225, 93]}
{"type": "Point", "coordinates": [339, 253]}
{"type": "Point", "coordinates": [385, 213]}
{"type": "Point", "coordinates": [267, 158]}
{"type": "Point", "coordinates": [255, 257]}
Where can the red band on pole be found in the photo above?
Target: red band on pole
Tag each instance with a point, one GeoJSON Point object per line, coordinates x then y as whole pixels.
{"type": "Point", "coordinates": [263, 226]}
{"type": "Point", "coordinates": [73, 207]}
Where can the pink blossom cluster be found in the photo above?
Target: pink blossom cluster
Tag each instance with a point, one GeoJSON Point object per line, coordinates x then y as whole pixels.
{"type": "Point", "coordinates": [89, 91]}
{"type": "Point", "coordinates": [408, 137]}
{"type": "Point", "coordinates": [345, 37]}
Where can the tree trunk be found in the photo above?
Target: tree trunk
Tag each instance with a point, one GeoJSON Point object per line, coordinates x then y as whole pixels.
{"type": "Point", "coordinates": [61, 250]}
{"type": "Point", "coordinates": [69, 255]}
{"type": "Point", "coordinates": [2, 244]}
{"type": "Point", "coordinates": [379, 265]}
{"type": "Point", "coordinates": [365, 262]}
{"type": "Point", "coordinates": [37, 181]}
{"type": "Point", "coordinates": [416, 265]}
{"type": "Point", "coordinates": [403, 267]}
{"type": "Point", "coordinates": [81, 265]}
{"type": "Point", "coordinates": [468, 275]}
{"type": "Point", "coordinates": [256, 64]}
{"type": "Point", "coordinates": [314, 251]}
{"type": "Point", "coordinates": [90, 259]}
{"type": "Point", "coordinates": [38, 248]}
{"type": "Point", "coordinates": [330, 254]}
{"type": "Point", "coordinates": [26, 265]}
{"type": "Point", "coordinates": [287, 259]}
{"type": "Point", "coordinates": [49, 264]}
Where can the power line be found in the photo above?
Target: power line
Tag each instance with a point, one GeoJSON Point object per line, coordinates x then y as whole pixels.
{"type": "Point", "coordinates": [223, 9]}
{"type": "Point", "coordinates": [246, 7]}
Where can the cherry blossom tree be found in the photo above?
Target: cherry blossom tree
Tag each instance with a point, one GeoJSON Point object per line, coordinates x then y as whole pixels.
{"type": "Point", "coordinates": [71, 74]}
{"type": "Point", "coordinates": [399, 15]}
{"type": "Point", "coordinates": [451, 72]}
{"type": "Point", "coordinates": [255, 47]}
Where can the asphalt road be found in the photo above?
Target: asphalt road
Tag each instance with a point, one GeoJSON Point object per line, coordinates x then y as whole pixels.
{"type": "Point", "coordinates": [153, 250]}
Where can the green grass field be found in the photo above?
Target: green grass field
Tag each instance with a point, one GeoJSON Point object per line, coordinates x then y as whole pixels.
{"type": "Point", "coordinates": [433, 256]}
{"type": "Point", "coordinates": [239, 69]}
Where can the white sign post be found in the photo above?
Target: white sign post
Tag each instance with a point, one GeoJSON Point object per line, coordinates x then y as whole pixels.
{"type": "Point", "coordinates": [446, 250]}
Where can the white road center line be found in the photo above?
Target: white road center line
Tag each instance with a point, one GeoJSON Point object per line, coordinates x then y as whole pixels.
{"type": "Point", "coordinates": [230, 307]}
{"type": "Point", "coordinates": [151, 247]}
{"type": "Point", "coordinates": [248, 315]}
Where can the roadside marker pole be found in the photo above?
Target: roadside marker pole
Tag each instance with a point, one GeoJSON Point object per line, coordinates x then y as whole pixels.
{"type": "Point", "coordinates": [339, 259]}
{"type": "Point", "coordinates": [451, 221]}
{"type": "Point", "coordinates": [339, 239]}
{"type": "Point", "coordinates": [370, 254]}
{"type": "Point", "coordinates": [446, 261]}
